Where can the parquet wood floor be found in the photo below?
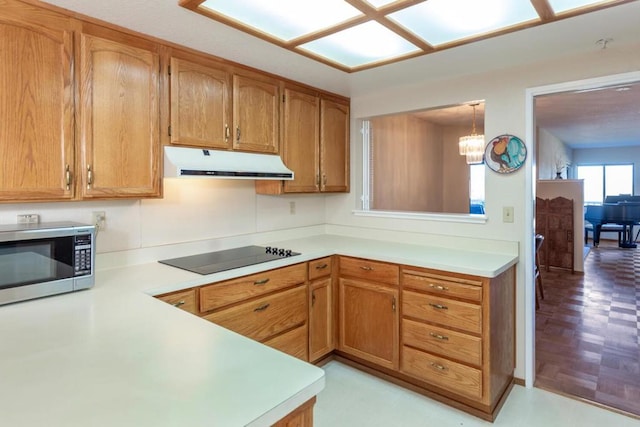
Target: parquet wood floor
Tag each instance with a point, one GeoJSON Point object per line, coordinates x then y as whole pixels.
{"type": "Point", "coordinates": [587, 330]}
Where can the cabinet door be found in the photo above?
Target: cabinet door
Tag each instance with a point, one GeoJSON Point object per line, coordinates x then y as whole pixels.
{"type": "Point", "coordinates": [36, 107]}
{"type": "Point", "coordinates": [255, 115]}
{"type": "Point", "coordinates": [301, 141]}
{"type": "Point", "coordinates": [119, 119]}
{"type": "Point", "coordinates": [320, 319]}
{"type": "Point", "coordinates": [200, 105]}
{"type": "Point", "coordinates": [369, 322]}
{"type": "Point", "coordinates": [334, 146]}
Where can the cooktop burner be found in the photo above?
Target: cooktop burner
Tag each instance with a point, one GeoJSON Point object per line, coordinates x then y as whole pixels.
{"type": "Point", "coordinates": [214, 262]}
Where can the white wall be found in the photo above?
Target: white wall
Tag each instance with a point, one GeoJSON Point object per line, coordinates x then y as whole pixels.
{"type": "Point", "coordinates": [504, 92]}
{"type": "Point", "coordinates": [553, 156]}
{"type": "Point", "coordinates": [191, 210]}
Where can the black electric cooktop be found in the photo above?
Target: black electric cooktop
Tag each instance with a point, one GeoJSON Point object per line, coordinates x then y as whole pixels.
{"type": "Point", "coordinates": [214, 262]}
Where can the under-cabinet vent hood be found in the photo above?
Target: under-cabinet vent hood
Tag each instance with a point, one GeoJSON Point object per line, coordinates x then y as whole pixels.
{"type": "Point", "coordinates": [196, 162]}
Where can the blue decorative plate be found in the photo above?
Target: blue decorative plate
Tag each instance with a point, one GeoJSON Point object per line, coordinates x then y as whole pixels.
{"type": "Point", "coordinates": [505, 154]}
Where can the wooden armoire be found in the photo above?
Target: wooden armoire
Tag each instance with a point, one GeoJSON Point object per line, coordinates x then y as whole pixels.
{"type": "Point", "coordinates": [554, 220]}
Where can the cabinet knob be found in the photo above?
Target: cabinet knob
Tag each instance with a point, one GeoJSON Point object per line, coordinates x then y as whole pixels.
{"type": "Point", "coordinates": [438, 287]}
{"type": "Point", "coordinates": [89, 176]}
{"type": "Point", "coordinates": [438, 336]}
{"type": "Point", "coordinates": [263, 307]}
{"type": "Point", "coordinates": [67, 177]}
{"type": "Point", "coordinates": [438, 366]}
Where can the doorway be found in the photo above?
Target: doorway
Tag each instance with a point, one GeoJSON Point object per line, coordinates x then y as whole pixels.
{"type": "Point", "coordinates": [585, 86]}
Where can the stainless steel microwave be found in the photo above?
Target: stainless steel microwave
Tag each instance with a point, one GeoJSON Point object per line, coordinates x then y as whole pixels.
{"type": "Point", "coordinates": [38, 260]}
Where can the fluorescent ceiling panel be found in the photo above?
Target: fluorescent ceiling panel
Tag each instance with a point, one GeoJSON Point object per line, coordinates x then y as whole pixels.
{"type": "Point", "coordinates": [559, 6]}
{"type": "Point", "coordinates": [379, 3]}
{"type": "Point", "coordinates": [360, 45]}
{"type": "Point", "coordinates": [353, 35]}
{"type": "Point", "coordinates": [443, 21]}
{"type": "Point", "coordinates": [285, 19]}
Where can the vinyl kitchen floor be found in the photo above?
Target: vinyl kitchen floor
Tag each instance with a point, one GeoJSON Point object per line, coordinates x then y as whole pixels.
{"type": "Point", "coordinates": [353, 398]}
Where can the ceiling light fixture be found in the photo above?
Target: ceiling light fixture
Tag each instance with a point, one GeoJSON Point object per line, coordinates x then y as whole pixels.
{"type": "Point", "coordinates": [472, 146]}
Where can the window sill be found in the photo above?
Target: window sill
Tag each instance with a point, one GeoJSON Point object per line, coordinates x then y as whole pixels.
{"type": "Point", "coordinates": [425, 216]}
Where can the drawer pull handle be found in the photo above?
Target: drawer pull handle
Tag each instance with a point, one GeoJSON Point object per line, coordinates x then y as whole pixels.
{"type": "Point", "coordinates": [179, 303]}
{"type": "Point", "coordinates": [439, 306]}
{"type": "Point", "coordinates": [260, 282]}
{"type": "Point", "coordinates": [438, 336]}
{"type": "Point", "coordinates": [366, 268]}
{"type": "Point", "coordinates": [322, 266]}
{"type": "Point", "coordinates": [313, 298]}
{"type": "Point", "coordinates": [393, 304]}
{"type": "Point", "coordinates": [263, 307]}
{"type": "Point", "coordinates": [438, 287]}
{"type": "Point", "coordinates": [438, 367]}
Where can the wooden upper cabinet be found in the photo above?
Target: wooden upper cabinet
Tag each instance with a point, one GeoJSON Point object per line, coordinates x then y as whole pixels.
{"type": "Point", "coordinates": [36, 106]}
{"type": "Point", "coordinates": [334, 145]}
{"type": "Point", "coordinates": [119, 116]}
{"type": "Point", "coordinates": [200, 105]}
{"type": "Point", "coordinates": [315, 145]}
{"type": "Point", "coordinates": [255, 114]}
{"type": "Point", "coordinates": [301, 141]}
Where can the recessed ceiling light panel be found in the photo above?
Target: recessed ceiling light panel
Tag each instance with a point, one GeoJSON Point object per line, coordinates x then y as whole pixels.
{"type": "Point", "coordinates": [380, 3]}
{"type": "Point", "coordinates": [559, 6]}
{"type": "Point", "coordinates": [444, 21]}
{"type": "Point", "coordinates": [360, 45]}
{"type": "Point", "coordinates": [285, 19]}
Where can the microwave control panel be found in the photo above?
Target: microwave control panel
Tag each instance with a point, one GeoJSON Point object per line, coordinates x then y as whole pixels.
{"type": "Point", "coordinates": [82, 257]}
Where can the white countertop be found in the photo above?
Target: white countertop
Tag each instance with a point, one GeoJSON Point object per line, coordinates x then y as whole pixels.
{"type": "Point", "coordinates": [114, 356]}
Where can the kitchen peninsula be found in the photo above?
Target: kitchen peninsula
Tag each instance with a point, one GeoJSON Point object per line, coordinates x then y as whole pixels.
{"type": "Point", "coordinates": [113, 355]}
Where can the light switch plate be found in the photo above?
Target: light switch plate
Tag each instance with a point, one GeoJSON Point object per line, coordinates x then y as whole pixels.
{"type": "Point", "coordinates": [507, 214]}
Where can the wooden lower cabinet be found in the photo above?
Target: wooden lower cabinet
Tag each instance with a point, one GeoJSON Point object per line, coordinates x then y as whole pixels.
{"type": "Point", "coordinates": [450, 336]}
{"type": "Point", "coordinates": [302, 416]}
{"type": "Point", "coordinates": [458, 335]}
{"type": "Point", "coordinates": [369, 321]}
{"type": "Point", "coordinates": [263, 318]}
{"type": "Point", "coordinates": [184, 300]}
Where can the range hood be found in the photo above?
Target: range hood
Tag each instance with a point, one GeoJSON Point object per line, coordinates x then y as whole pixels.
{"type": "Point", "coordinates": [196, 162]}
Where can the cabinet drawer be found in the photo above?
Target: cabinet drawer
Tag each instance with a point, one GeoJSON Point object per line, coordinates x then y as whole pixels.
{"type": "Point", "coordinates": [224, 293]}
{"type": "Point", "coordinates": [370, 270]}
{"type": "Point", "coordinates": [184, 300]}
{"type": "Point", "coordinates": [444, 342]}
{"type": "Point", "coordinates": [293, 342]}
{"type": "Point", "coordinates": [265, 317]}
{"type": "Point", "coordinates": [452, 376]}
{"type": "Point", "coordinates": [443, 285]}
{"type": "Point", "coordinates": [319, 268]}
{"type": "Point", "coordinates": [446, 312]}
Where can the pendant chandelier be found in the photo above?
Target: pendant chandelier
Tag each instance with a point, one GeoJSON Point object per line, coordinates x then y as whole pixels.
{"type": "Point", "coordinates": [472, 146]}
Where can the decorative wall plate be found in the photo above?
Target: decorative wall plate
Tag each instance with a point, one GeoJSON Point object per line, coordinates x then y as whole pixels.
{"type": "Point", "coordinates": [505, 153]}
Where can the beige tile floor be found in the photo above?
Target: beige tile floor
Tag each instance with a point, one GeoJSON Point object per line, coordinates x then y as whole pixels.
{"type": "Point", "coordinates": [353, 398]}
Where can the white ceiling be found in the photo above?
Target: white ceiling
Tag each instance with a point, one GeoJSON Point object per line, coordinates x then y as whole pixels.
{"type": "Point", "coordinates": [166, 20]}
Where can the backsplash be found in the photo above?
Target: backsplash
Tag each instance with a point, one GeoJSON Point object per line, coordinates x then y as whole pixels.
{"type": "Point", "coordinates": [191, 210]}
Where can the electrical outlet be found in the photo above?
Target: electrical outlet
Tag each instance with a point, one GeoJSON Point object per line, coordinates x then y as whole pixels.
{"type": "Point", "coordinates": [507, 214]}
{"type": "Point", "coordinates": [99, 220]}
{"type": "Point", "coordinates": [28, 219]}
{"type": "Point", "coordinates": [292, 208]}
